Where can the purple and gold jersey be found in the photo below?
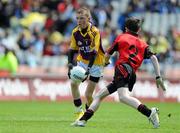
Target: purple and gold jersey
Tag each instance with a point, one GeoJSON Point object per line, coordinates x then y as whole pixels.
{"type": "Point", "coordinates": [87, 44]}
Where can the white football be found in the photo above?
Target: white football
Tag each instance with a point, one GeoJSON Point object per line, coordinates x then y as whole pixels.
{"type": "Point", "coordinates": [77, 74]}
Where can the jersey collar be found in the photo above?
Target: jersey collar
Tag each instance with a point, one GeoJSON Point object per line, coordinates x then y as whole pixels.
{"type": "Point", "coordinates": [88, 29]}
{"type": "Point", "coordinates": [132, 33]}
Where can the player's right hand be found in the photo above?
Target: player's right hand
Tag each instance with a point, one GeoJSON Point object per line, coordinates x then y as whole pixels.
{"type": "Point", "coordinates": [160, 83]}
{"type": "Point", "coordinates": [107, 63]}
{"type": "Point", "coordinates": [70, 66]}
{"type": "Point", "coordinates": [87, 74]}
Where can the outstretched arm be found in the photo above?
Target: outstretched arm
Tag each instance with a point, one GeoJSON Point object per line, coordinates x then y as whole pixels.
{"type": "Point", "coordinates": [107, 57]}
{"type": "Point", "coordinates": [155, 65]}
{"type": "Point", "coordinates": [159, 81]}
{"type": "Point", "coordinates": [110, 51]}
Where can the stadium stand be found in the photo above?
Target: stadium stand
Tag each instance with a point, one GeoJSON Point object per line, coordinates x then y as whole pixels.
{"type": "Point", "coordinates": [39, 31]}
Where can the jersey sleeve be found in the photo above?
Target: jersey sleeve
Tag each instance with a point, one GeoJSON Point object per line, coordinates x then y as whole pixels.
{"type": "Point", "coordinates": [148, 53]}
{"type": "Point", "coordinates": [73, 44]}
{"type": "Point", "coordinates": [113, 48]}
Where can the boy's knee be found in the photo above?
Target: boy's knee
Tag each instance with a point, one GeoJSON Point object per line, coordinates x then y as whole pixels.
{"type": "Point", "coordinates": [122, 97]}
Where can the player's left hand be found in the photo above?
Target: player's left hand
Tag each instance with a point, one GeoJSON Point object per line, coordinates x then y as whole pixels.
{"type": "Point", "coordinates": [160, 83]}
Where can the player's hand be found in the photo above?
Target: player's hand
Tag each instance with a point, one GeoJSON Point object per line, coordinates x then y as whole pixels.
{"type": "Point", "coordinates": [107, 63]}
{"type": "Point", "coordinates": [160, 83]}
{"type": "Point", "coordinates": [87, 74]}
{"type": "Point", "coordinates": [70, 66]}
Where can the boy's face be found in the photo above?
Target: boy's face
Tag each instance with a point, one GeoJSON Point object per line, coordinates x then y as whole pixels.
{"type": "Point", "coordinates": [82, 20]}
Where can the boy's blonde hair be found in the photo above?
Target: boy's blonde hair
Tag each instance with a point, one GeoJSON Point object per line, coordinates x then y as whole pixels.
{"type": "Point", "coordinates": [84, 11]}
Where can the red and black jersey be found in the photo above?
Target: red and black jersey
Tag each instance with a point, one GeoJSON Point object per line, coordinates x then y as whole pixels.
{"type": "Point", "coordinates": [132, 50]}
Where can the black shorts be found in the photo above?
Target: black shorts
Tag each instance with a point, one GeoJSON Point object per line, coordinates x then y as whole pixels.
{"type": "Point", "coordinates": [124, 76]}
{"type": "Point", "coordinates": [94, 79]}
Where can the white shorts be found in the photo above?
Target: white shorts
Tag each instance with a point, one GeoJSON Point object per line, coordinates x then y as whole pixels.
{"type": "Point", "coordinates": [95, 71]}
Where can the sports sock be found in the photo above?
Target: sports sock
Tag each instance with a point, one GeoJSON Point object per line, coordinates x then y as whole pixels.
{"type": "Point", "coordinates": [144, 110]}
{"type": "Point", "coordinates": [87, 115]}
{"type": "Point", "coordinates": [77, 102]}
{"type": "Point", "coordinates": [78, 105]}
{"type": "Point", "coordinates": [86, 106]}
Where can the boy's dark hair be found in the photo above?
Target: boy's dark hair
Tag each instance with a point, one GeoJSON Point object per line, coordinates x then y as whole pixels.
{"type": "Point", "coordinates": [133, 24]}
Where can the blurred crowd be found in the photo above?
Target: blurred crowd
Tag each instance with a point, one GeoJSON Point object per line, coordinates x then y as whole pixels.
{"type": "Point", "coordinates": [38, 32]}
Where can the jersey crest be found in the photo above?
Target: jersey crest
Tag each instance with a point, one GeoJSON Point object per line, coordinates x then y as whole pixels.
{"type": "Point", "coordinates": [79, 43]}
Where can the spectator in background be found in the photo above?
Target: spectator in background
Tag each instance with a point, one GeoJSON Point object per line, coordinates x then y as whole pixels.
{"type": "Point", "coordinates": [21, 17]}
{"type": "Point", "coordinates": [53, 44]}
{"type": "Point", "coordinates": [161, 47]}
{"type": "Point", "coordinates": [8, 61]}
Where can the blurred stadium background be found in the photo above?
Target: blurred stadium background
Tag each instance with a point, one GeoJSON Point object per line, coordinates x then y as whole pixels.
{"type": "Point", "coordinates": [34, 40]}
{"type": "Point", "coordinates": [35, 35]}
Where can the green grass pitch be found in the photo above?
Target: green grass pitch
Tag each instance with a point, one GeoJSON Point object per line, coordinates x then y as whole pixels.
{"type": "Point", "coordinates": [55, 117]}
